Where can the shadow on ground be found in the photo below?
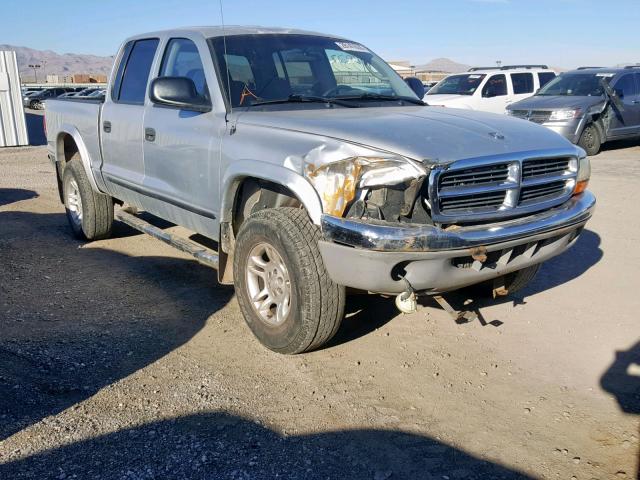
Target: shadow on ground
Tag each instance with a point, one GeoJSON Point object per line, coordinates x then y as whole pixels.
{"type": "Point", "coordinates": [35, 129]}
{"type": "Point", "coordinates": [620, 144]}
{"type": "Point", "coordinates": [74, 319]}
{"type": "Point", "coordinates": [218, 445]}
{"type": "Point", "coordinates": [365, 314]}
{"type": "Point", "coordinates": [568, 266]}
{"type": "Point", "coordinates": [622, 380]}
{"type": "Point", "coordinates": [12, 195]}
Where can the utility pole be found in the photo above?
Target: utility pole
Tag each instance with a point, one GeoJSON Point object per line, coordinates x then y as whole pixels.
{"type": "Point", "coordinates": [35, 67]}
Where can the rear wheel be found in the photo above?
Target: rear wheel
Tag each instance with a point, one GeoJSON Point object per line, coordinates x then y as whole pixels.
{"type": "Point", "coordinates": [590, 140]}
{"type": "Point", "coordinates": [285, 293]}
{"type": "Point", "coordinates": [90, 214]}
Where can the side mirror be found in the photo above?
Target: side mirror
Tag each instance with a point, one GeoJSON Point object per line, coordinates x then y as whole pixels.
{"type": "Point", "coordinates": [619, 93]}
{"type": "Point", "coordinates": [489, 92]}
{"type": "Point", "coordinates": [416, 85]}
{"type": "Point", "coordinates": [178, 92]}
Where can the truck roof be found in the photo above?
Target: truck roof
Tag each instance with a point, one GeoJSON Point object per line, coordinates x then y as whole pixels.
{"type": "Point", "coordinates": [230, 30]}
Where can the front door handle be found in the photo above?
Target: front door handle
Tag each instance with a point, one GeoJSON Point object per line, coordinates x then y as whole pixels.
{"type": "Point", "coordinates": [106, 126]}
{"type": "Point", "coordinates": [149, 134]}
{"type": "Point", "coordinates": [636, 102]}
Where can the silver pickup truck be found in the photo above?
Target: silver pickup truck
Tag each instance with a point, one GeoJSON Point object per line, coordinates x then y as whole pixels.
{"type": "Point", "coordinates": [314, 167]}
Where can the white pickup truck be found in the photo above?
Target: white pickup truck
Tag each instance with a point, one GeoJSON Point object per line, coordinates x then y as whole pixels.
{"type": "Point", "coordinates": [314, 167]}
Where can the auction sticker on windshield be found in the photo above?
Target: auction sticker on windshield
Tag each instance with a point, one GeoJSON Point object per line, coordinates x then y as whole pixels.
{"type": "Point", "coordinates": [352, 47]}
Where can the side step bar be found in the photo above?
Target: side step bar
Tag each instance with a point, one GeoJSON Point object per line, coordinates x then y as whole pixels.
{"type": "Point", "coordinates": [199, 252]}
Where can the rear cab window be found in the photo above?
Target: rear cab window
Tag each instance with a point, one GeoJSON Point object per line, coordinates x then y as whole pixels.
{"type": "Point", "coordinates": [130, 85]}
{"type": "Point", "coordinates": [522, 83]}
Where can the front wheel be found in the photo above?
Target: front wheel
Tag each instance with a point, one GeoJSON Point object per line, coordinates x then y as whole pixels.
{"type": "Point", "coordinates": [507, 284]}
{"type": "Point", "coordinates": [285, 293]}
{"type": "Point", "coordinates": [590, 140]}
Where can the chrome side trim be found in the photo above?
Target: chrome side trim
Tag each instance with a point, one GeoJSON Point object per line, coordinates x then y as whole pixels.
{"type": "Point", "coordinates": [429, 238]}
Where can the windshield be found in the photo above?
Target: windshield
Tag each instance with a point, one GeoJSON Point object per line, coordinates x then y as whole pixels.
{"type": "Point", "coordinates": [465, 84]}
{"type": "Point", "coordinates": [576, 85]}
{"type": "Point", "coordinates": [266, 67]}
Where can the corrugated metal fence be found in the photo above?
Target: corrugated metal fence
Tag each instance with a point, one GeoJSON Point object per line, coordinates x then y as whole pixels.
{"type": "Point", "coordinates": [13, 128]}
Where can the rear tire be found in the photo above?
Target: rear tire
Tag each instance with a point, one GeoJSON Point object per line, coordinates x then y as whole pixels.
{"type": "Point", "coordinates": [90, 214]}
{"type": "Point", "coordinates": [590, 140]}
{"type": "Point", "coordinates": [277, 257]}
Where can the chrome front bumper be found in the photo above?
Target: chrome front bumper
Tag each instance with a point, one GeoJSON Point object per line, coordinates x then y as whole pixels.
{"type": "Point", "coordinates": [374, 257]}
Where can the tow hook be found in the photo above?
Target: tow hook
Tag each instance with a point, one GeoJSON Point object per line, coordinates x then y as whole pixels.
{"type": "Point", "coordinates": [407, 301]}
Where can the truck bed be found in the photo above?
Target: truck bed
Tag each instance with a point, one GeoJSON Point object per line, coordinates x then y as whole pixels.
{"type": "Point", "coordinates": [80, 116]}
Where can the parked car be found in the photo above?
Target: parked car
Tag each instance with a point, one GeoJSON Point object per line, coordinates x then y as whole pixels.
{"type": "Point", "coordinates": [27, 95]}
{"type": "Point", "coordinates": [588, 106]}
{"type": "Point", "coordinates": [310, 184]}
{"type": "Point", "coordinates": [489, 89]}
{"type": "Point", "coordinates": [36, 101]}
{"type": "Point", "coordinates": [87, 92]}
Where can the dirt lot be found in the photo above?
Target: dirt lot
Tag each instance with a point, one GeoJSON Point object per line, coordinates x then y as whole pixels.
{"type": "Point", "coordinates": [124, 359]}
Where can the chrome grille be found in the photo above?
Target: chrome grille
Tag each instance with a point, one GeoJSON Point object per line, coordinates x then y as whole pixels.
{"type": "Point", "coordinates": [536, 116]}
{"type": "Point", "coordinates": [483, 201]}
{"type": "Point", "coordinates": [537, 192]}
{"type": "Point", "coordinates": [500, 186]}
{"type": "Point", "coordinates": [545, 166]}
{"type": "Point", "coordinates": [475, 176]}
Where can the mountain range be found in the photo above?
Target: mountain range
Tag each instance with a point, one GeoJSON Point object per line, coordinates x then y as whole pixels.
{"type": "Point", "coordinates": [55, 63]}
{"type": "Point", "coordinates": [71, 63]}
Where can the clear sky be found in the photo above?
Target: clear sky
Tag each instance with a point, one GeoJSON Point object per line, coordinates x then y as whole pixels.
{"type": "Point", "coordinates": [564, 33]}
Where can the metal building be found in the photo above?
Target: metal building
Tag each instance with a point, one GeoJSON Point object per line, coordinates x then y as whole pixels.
{"type": "Point", "coordinates": [13, 127]}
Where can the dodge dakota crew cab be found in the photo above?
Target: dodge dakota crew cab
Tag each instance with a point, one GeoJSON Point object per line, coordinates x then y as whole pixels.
{"type": "Point", "coordinates": [314, 167]}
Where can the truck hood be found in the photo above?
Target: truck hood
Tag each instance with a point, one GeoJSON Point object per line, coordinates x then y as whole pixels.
{"type": "Point", "coordinates": [442, 99]}
{"type": "Point", "coordinates": [555, 102]}
{"type": "Point", "coordinates": [421, 133]}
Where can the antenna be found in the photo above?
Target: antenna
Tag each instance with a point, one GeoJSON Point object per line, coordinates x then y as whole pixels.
{"type": "Point", "coordinates": [226, 65]}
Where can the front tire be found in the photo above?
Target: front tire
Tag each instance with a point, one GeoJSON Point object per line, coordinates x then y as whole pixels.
{"type": "Point", "coordinates": [90, 214]}
{"type": "Point", "coordinates": [285, 293]}
{"type": "Point", "coordinates": [590, 140]}
{"type": "Point", "coordinates": [507, 284]}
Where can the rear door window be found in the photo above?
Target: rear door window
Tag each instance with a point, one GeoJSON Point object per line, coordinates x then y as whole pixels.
{"type": "Point", "coordinates": [522, 83]}
{"type": "Point", "coordinates": [545, 77]}
{"type": "Point", "coordinates": [496, 86]}
{"type": "Point", "coordinates": [135, 77]}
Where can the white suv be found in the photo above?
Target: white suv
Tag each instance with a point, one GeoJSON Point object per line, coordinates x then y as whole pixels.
{"type": "Point", "coordinates": [489, 89]}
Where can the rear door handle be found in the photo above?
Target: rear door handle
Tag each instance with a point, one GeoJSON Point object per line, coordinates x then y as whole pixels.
{"type": "Point", "coordinates": [636, 102]}
{"type": "Point", "coordinates": [149, 134]}
{"type": "Point", "coordinates": [106, 126]}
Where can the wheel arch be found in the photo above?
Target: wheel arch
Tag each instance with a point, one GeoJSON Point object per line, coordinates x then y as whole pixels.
{"type": "Point", "coordinates": [270, 185]}
{"type": "Point", "coordinates": [68, 143]}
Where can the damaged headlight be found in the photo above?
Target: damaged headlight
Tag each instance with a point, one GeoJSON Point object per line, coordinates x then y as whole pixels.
{"type": "Point", "coordinates": [338, 182]}
{"type": "Point", "coordinates": [584, 174]}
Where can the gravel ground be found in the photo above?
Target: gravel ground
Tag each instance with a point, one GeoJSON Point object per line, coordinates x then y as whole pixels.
{"type": "Point", "coordinates": [124, 359]}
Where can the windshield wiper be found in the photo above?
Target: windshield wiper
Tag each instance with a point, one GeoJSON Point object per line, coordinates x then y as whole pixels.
{"type": "Point", "coordinates": [377, 96]}
{"type": "Point", "coordinates": [304, 99]}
